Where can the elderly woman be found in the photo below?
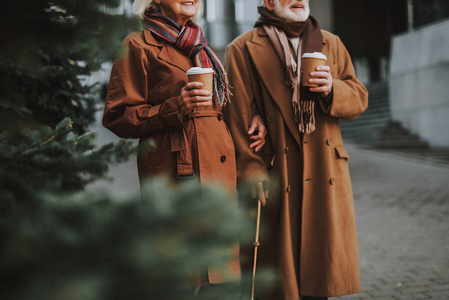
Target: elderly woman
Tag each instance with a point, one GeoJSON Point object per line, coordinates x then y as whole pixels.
{"type": "Point", "coordinates": [149, 96]}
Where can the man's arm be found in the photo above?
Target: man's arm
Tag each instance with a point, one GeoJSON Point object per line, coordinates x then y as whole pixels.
{"type": "Point", "coordinates": [239, 113]}
{"type": "Point", "coordinates": [349, 97]}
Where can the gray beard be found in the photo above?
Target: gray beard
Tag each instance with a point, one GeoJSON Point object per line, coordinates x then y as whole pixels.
{"type": "Point", "coordinates": [289, 16]}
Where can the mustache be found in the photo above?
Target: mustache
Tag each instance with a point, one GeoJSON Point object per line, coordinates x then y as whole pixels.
{"type": "Point", "coordinates": [296, 2]}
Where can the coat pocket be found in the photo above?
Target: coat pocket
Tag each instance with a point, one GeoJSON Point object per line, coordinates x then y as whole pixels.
{"type": "Point", "coordinates": [341, 152]}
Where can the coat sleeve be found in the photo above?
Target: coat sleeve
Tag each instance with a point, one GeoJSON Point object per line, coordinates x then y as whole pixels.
{"type": "Point", "coordinates": [128, 112]}
{"type": "Point", "coordinates": [349, 95]}
{"type": "Point", "coordinates": [238, 115]}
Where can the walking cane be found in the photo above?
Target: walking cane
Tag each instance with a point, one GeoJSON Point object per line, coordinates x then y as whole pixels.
{"type": "Point", "coordinates": [256, 240]}
{"type": "Point", "coordinates": [256, 246]}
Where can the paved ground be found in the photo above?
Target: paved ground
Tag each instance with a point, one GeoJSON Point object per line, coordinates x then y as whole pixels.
{"type": "Point", "coordinates": [402, 209]}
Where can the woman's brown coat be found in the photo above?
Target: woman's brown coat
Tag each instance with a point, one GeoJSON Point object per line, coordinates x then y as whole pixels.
{"type": "Point", "coordinates": [142, 102]}
{"type": "Point", "coordinates": [312, 243]}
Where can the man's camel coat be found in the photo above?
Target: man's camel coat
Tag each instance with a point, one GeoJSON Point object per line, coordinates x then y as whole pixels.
{"type": "Point", "coordinates": [309, 232]}
{"type": "Point", "coordinates": [142, 102]}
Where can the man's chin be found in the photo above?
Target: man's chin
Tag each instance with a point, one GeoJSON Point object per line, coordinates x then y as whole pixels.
{"type": "Point", "coordinates": [292, 15]}
{"type": "Point", "coordinates": [299, 15]}
{"type": "Point", "coordinates": [296, 17]}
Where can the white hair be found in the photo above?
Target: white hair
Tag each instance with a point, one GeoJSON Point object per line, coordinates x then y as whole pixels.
{"type": "Point", "coordinates": [140, 6]}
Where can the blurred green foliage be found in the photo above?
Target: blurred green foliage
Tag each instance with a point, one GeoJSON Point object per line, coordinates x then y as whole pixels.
{"type": "Point", "coordinates": [47, 50]}
{"type": "Point", "coordinates": [56, 160]}
{"type": "Point", "coordinates": [58, 241]}
{"type": "Point", "coordinates": [89, 246]}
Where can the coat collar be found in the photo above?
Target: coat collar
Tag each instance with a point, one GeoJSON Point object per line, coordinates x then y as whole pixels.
{"type": "Point", "coordinates": [272, 73]}
{"type": "Point", "coordinates": [150, 40]}
{"type": "Point", "coordinates": [167, 53]}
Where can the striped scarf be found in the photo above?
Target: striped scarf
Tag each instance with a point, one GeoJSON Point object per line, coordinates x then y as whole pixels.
{"type": "Point", "coordinates": [190, 40]}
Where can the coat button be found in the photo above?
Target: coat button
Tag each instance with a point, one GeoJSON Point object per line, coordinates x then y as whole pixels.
{"type": "Point", "coordinates": [223, 158]}
{"type": "Point", "coordinates": [328, 142]}
{"type": "Point", "coordinates": [286, 149]}
{"type": "Point", "coordinates": [332, 180]}
{"type": "Point", "coordinates": [288, 189]}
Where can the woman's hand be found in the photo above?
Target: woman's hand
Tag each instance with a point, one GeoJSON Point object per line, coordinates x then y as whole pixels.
{"type": "Point", "coordinates": [323, 77]}
{"type": "Point", "coordinates": [257, 133]}
{"type": "Point", "coordinates": [193, 96]}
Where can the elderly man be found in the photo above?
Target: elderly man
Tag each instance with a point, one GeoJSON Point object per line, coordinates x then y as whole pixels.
{"type": "Point", "coordinates": [309, 234]}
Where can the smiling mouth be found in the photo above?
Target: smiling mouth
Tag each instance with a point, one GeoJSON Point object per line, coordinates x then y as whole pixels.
{"type": "Point", "coordinates": [297, 6]}
{"type": "Point", "coordinates": [187, 3]}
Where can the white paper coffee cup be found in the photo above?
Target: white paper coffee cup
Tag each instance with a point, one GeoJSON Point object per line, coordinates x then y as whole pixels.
{"type": "Point", "coordinates": [309, 63]}
{"type": "Point", "coordinates": [203, 75]}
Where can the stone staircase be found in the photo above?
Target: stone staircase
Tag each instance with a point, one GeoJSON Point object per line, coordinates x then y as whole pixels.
{"type": "Point", "coordinates": [393, 136]}
{"type": "Point", "coordinates": [367, 127]}
{"type": "Point", "coordinates": [375, 129]}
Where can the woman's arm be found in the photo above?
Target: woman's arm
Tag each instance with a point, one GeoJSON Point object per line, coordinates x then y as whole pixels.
{"type": "Point", "coordinates": [127, 111]}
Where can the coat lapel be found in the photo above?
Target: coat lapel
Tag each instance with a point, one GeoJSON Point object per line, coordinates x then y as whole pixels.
{"type": "Point", "coordinates": [169, 54]}
{"type": "Point", "coordinates": [175, 58]}
{"type": "Point", "coordinates": [272, 73]}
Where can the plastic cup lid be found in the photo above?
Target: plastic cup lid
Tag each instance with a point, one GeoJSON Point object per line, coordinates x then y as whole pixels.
{"type": "Point", "coordinates": [197, 71]}
{"type": "Point", "coordinates": [314, 55]}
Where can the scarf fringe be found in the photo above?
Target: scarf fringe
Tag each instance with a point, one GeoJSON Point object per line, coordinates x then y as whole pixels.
{"type": "Point", "coordinates": [305, 114]}
{"type": "Point", "coordinates": [221, 89]}
{"type": "Point", "coordinates": [222, 93]}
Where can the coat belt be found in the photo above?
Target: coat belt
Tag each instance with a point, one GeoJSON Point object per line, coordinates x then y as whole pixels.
{"type": "Point", "coordinates": [179, 143]}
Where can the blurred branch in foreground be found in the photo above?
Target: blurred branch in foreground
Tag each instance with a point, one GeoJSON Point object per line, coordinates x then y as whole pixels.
{"type": "Point", "coordinates": [92, 246]}
{"type": "Point", "coordinates": [47, 49]}
{"type": "Point", "coordinates": [56, 161]}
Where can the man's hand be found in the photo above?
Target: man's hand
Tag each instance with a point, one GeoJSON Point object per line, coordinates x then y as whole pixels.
{"type": "Point", "coordinates": [257, 133]}
{"type": "Point", "coordinates": [323, 77]}
{"type": "Point", "coordinates": [260, 193]}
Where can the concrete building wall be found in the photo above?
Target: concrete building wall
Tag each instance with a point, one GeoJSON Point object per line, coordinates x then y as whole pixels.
{"type": "Point", "coordinates": [217, 23]}
{"type": "Point", "coordinates": [419, 82]}
{"type": "Point", "coordinates": [246, 14]}
{"type": "Point", "coordinates": [322, 10]}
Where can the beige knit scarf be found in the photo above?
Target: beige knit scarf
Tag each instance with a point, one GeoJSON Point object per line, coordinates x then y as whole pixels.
{"type": "Point", "coordinates": [303, 101]}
